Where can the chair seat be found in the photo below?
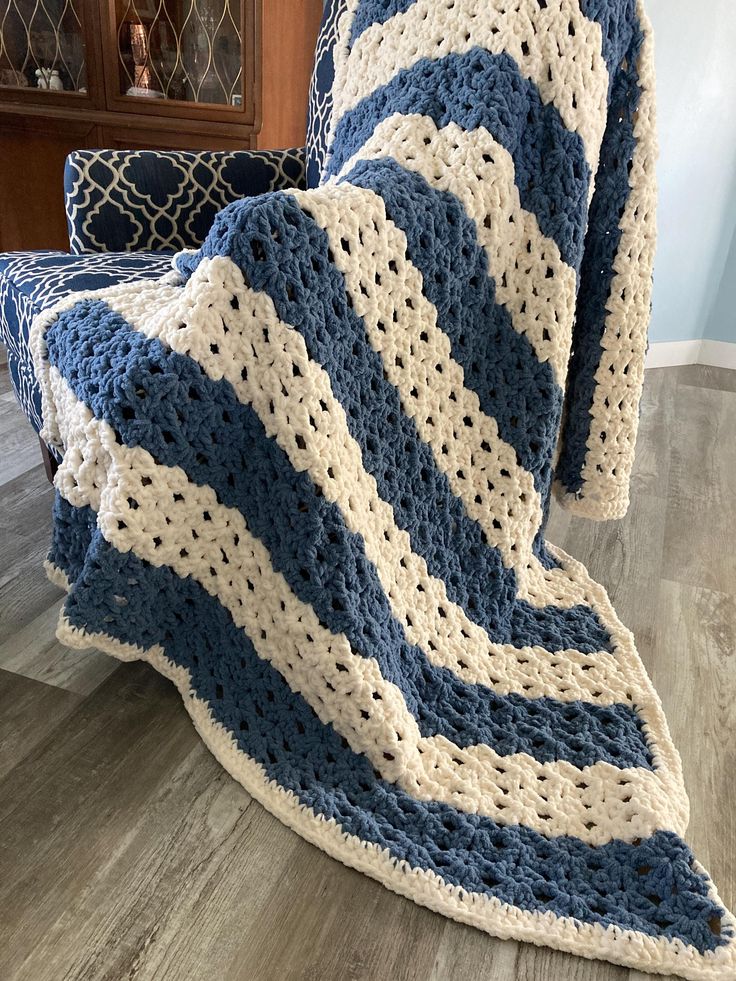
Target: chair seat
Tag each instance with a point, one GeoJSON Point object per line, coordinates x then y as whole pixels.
{"type": "Point", "coordinates": [33, 281]}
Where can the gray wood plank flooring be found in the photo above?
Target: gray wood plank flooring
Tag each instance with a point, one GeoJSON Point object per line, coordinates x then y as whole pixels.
{"type": "Point", "coordinates": [127, 852]}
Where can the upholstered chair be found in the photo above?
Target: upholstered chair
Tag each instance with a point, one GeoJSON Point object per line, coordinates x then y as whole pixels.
{"type": "Point", "coordinates": [129, 211]}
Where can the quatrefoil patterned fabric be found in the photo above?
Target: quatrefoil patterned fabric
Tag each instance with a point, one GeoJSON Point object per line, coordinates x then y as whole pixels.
{"type": "Point", "coordinates": [164, 200]}
{"type": "Point", "coordinates": [309, 481]}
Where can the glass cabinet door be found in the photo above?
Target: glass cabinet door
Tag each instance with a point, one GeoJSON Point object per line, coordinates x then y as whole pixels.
{"type": "Point", "coordinates": [42, 46]}
{"type": "Point", "coordinates": [188, 51]}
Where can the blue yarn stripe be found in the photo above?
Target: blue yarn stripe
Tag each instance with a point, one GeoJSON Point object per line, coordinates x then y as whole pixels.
{"type": "Point", "coordinates": [626, 885]}
{"type": "Point", "coordinates": [476, 89]}
{"type": "Point", "coordinates": [166, 404]}
{"type": "Point", "coordinates": [71, 534]}
{"type": "Point", "coordinates": [596, 274]}
{"type": "Point", "coordinates": [283, 252]}
{"type": "Point", "coordinates": [500, 365]}
{"type": "Point", "coordinates": [372, 12]}
{"type": "Point", "coordinates": [615, 20]}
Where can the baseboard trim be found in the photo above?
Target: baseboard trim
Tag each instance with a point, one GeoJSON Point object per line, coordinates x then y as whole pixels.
{"type": "Point", "coordinates": [669, 354]}
{"type": "Point", "coordinates": [719, 354]}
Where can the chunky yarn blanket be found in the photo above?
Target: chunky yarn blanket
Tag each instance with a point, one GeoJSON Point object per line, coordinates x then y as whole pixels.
{"type": "Point", "coordinates": [306, 477]}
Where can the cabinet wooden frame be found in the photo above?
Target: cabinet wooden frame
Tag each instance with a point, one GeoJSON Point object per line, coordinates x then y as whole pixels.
{"type": "Point", "coordinates": [115, 101]}
{"type": "Point", "coordinates": [93, 98]}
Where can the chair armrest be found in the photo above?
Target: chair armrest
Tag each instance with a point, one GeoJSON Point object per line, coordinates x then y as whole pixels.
{"type": "Point", "coordinates": [134, 200]}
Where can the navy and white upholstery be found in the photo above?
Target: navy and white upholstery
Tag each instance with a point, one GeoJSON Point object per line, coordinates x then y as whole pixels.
{"type": "Point", "coordinates": [129, 200]}
{"type": "Point", "coordinates": [33, 281]}
{"type": "Point", "coordinates": [319, 109]}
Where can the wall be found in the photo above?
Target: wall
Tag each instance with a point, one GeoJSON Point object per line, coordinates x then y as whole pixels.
{"type": "Point", "coordinates": [695, 274]}
{"type": "Point", "coordinates": [721, 324]}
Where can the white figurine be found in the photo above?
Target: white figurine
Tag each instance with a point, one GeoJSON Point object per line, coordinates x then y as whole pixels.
{"type": "Point", "coordinates": [48, 78]}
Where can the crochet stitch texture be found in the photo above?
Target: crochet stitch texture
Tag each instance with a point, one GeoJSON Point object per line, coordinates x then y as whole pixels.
{"type": "Point", "coordinates": [308, 481]}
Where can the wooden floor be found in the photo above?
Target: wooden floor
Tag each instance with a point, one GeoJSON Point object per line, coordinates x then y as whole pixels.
{"type": "Point", "coordinates": [126, 852]}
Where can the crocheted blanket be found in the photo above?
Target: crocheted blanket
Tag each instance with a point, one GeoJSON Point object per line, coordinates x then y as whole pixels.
{"type": "Point", "coordinates": [307, 478]}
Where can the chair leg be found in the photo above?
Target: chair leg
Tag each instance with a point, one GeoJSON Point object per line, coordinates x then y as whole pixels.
{"type": "Point", "coordinates": [49, 463]}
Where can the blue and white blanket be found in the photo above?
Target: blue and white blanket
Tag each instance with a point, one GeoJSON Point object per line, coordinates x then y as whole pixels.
{"type": "Point", "coordinates": [307, 478]}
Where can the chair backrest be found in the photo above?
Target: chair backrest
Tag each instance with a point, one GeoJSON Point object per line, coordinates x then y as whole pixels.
{"type": "Point", "coordinates": [320, 91]}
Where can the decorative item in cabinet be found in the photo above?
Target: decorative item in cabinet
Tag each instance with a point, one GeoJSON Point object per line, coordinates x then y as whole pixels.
{"type": "Point", "coordinates": [42, 45]}
{"type": "Point", "coordinates": [183, 50]}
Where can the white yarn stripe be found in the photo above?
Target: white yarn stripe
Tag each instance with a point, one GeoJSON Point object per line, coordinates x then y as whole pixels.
{"type": "Point", "coordinates": [401, 324]}
{"type": "Point", "coordinates": [298, 409]}
{"type": "Point", "coordinates": [556, 48]}
{"type": "Point", "coordinates": [531, 279]}
{"type": "Point", "coordinates": [546, 799]}
{"type": "Point", "coordinates": [619, 378]}
{"type": "Point", "coordinates": [502, 920]}
{"type": "Point", "coordinates": [143, 507]}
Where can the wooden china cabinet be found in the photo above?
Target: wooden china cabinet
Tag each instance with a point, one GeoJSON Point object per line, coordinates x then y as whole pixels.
{"type": "Point", "coordinates": [153, 74]}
